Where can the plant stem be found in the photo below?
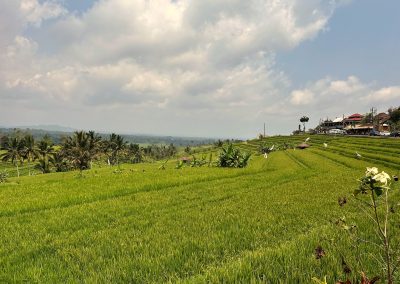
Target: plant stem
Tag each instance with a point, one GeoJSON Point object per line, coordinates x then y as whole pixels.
{"type": "Point", "coordinates": [383, 235]}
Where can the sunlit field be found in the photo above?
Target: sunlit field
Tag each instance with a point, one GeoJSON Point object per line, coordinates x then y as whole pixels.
{"type": "Point", "coordinates": [142, 224]}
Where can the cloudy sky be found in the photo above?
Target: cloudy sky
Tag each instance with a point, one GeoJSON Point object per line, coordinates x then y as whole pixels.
{"type": "Point", "coordinates": [210, 68]}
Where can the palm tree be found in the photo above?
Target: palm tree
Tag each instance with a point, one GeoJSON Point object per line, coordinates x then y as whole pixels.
{"type": "Point", "coordinates": [14, 152]}
{"type": "Point", "coordinates": [94, 145]}
{"type": "Point", "coordinates": [4, 141]}
{"type": "Point", "coordinates": [59, 161]}
{"type": "Point", "coordinates": [135, 153]}
{"type": "Point", "coordinates": [303, 120]}
{"type": "Point", "coordinates": [78, 150]}
{"type": "Point", "coordinates": [45, 150]}
{"type": "Point", "coordinates": [29, 150]}
{"type": "Point", "coordinates": [116, 145]}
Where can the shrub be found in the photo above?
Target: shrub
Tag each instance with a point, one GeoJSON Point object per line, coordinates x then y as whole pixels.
{"type": "Point", "coordinates": [231, 157]}
{"type": "Point", "coordinates": [3, 176]}
{"type": "Point", "coordinates": [373, 198]}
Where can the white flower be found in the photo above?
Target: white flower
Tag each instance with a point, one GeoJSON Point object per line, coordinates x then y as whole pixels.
{"type": "Point", "coordinates": [382, 178]}
{"type": "Point", "coordinates": [371, 171]}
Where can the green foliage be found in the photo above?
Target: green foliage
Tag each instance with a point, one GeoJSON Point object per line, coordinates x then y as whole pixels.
{"type": "Point", "coordinates": [231, 157]}
{"type": "Point", "coordinates": [80, 149]}
{"type": "Point", "coordinates": [3, 176]}
{"type": "Point", "coordinates": [60, 162]}
{"type": "Point", "coordinates": [134, 154]}
{"type": "Point", "coordinates": [198, 162]}
{"type": "Point", "coordinates": [303, 120]}
{"type": "Point", "coordinates": [158, 152]}
{"type": "Point", "coordinates": [179, 165]}
{"type": "Point", "coordinates": [219, 143]}
{"type": "Point", "coordinates": [379, 210]}
{"type": "Point", "coordinates": [394, 114]}
{"type": "Point", "coordinates": [260, 224]}
{"type": "Point", "coordinates": [44, 152]}
{"type": "Point", "coordinates": [14, 152]}
{"type": "Point", "coordinates": [188, 150]}
{"type": "Point", "coordinates": [162, 167]}
{"type": "Point", "coordinates": [115, 145]}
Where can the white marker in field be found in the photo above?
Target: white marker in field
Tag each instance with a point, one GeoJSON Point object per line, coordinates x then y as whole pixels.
{"type": "Point", "coordinates": [308, 139]}
{"type": "Point", "coordinates": [358, 155]}
{"type": "Point", "coordinates": [272, 148]}
{"type": "Point", "coordinates": [325, 145]}
{"type": "Point", "coordinates": [265, 155]}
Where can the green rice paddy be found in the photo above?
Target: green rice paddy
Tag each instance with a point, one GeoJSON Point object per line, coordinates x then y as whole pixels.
{"type": "Point", "coordinates": [260, 224]}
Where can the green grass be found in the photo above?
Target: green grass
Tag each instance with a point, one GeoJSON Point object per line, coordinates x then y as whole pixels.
{"type": "Point", "coordinates": [194, 225]}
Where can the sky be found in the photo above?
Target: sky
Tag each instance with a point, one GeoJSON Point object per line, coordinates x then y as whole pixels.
{"type": "Point", "coordinates": [202, 68]}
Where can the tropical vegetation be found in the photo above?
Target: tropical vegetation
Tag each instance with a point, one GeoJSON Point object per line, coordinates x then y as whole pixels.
{"type": "Point", "coordinates": [285, 218]}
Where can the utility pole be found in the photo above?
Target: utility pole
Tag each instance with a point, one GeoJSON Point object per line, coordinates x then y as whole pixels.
{"type": "Point", "coordinates": [264, 129]}
{"type": "Point", "coordinates": [373, 114]}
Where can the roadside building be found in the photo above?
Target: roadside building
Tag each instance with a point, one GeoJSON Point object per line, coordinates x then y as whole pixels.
{"type": "Point", "coordinates": [382, 120]}
{"type": "Point", "coordinates": [328, 124]}
{"type": "Point", "coordinates": [359, 129]}
{"type": "Point", "coordinates": [353, 120]}
{"type": "Point", "coordinates": [354, 125]}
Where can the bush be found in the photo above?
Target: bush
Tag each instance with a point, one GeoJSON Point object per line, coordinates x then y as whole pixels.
{"type": "Point", "coordinates": [3, 176]}
{"type": "Point", "coordinates": [231, 157]}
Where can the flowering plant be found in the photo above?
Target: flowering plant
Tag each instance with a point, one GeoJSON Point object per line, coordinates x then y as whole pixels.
{"type": "Point", "coordinates": [376, 185]}
{"type": "Point", "coordinates": [373, 181]}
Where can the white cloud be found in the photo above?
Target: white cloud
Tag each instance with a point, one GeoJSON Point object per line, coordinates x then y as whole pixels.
{"type": "Point", "coordinates": [163, 45]}
{"type": "Point", "coordinates": [388, 94]}
{"type": "Point", "coordinates": [214, 59]}
{"type": "Point", "coordinates": [34, 12]}
{"type": "Point", "coordinates": [301, 97]}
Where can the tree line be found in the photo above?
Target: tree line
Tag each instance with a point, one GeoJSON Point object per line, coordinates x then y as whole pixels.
{"type": "Point", "coordinates": [76, 152]}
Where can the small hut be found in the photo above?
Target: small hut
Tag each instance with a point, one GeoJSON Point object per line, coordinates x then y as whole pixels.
{"type": "Point", "coordinates": [303, 146]}
{"type": "Point", "coordinates": [185, 160]}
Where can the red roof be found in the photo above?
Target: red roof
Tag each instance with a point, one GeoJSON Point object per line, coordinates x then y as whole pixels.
{"type": "Point", "coordinates": [355, 117]}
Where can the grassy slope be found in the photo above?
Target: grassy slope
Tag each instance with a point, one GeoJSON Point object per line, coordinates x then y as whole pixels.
{"type": "Point", "coordinates": [192, 225]}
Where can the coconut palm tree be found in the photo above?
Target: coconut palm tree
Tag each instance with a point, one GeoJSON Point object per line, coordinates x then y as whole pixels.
{"type": "Point", "coordinates": [79, 150]}
{"type": "Point", "coordinates": [135, 153]}
{"type": "Point", "coordinates": [116, 145]}
{"type": "Point", "coordinates": [94, 146]}
{"type": "Point", "coordinates": [59, 162]}
{"type": "Point", "coordinates": [29, 150]}
{"type": "Point", "coordinates": [44, 152]}
{"type": "Point", "coordinates": [14, 152]}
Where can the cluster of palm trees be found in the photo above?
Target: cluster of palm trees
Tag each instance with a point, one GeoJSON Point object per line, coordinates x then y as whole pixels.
{"type": "Point", "coordinates": [19, 150]}
{"type": "Point", "coordinates": [78, 151]}
{"type": "Point", "coordinates": [158, 152]}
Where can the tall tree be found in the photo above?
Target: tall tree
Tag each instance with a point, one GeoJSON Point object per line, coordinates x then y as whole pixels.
{"type": "Point", "coordinates": [303, 120]}
{"type": "Point", "coordinates": [135, 154]}
{"type": "Point", "coordinates": [394, 114]}
{"type": "Point", "coordinates": [94, 146]}
{"type": "Point", "coordinates": [45, 151]}
{"type": "Point", "coordinates": [117, 144]}
{"type": "Point", "coordinates": [14, 152]}
{"type": "Point", "coordinates": [3, 141]}
{"type": "Point", "coordinates": [60, 162]}
{"type": "Point", "coordinates": [29, 150]}
{"type": "Point", "coordinates": [79, 150]}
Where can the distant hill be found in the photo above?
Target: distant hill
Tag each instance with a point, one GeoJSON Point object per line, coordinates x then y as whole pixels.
{"type": "Point", "coordinates": [46, 127]}
{"type": "Point", "coordinates": [57, 132]}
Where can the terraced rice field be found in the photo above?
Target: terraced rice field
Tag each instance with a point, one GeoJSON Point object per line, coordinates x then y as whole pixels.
{"type": "Point", "coordinates": [194, 225]}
